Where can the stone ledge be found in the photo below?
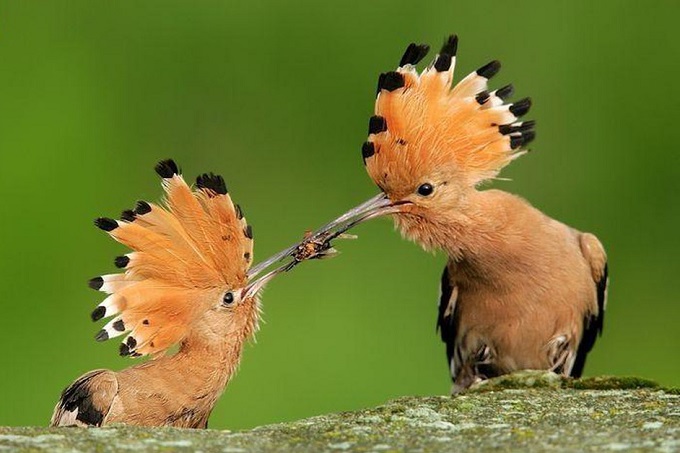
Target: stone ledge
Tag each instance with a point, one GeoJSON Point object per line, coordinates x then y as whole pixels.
{"type": "Point", "coordinates": [528, 411]}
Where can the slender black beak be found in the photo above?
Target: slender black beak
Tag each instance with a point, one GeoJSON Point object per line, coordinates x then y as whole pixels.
{"type": "Point", "coordinates": [318, 244]}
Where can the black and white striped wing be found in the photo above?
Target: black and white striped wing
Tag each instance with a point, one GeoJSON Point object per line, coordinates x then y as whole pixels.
{"type": "Point", "coordinates": [447, 319]}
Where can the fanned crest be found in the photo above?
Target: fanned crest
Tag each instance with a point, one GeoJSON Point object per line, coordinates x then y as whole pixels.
{"type": "Point", "coordinates": [186, 252]}
{"type": "Point", "coordinates": [422, 124]}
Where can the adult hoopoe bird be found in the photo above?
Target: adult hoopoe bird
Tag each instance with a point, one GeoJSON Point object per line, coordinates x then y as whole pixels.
{"type": "Point", "coordinates": [185, 282]}
{"type": "Point", "coordinates": [520, 290]}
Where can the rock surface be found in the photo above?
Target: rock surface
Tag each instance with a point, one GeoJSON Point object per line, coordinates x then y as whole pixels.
{"type": "Point", "coordinates": [528, 411]}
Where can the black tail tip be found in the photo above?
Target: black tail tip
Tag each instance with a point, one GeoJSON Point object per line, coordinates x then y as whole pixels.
{"type": "Point", "coordinates": [167, 168]}
{"type": "Point", "coordinates": [490, 69]}
{"type": "Point", "coordinates": [213, 182]}
{"type": "Point", "coordinates": [96, 283]}
{"type": "Point", "coordinates": [106, 224]}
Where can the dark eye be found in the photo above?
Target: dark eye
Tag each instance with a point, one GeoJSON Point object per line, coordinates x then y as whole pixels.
{"type": "Point", "coordinates": [425, 189]}
{"type": "Point", "coordinates": [228, 298]}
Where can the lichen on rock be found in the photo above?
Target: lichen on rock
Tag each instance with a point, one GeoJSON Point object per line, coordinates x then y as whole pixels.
{"type": "Point", "coordinates": [527, 411]}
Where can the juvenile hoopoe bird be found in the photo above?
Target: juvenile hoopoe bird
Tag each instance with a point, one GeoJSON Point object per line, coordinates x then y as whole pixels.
{"type": "Point", "coordinates": [186, 282]}
{"type": "Point", "coordinates": [520, 290]}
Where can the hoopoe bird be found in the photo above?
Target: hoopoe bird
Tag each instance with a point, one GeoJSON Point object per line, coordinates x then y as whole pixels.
{"type": "Point", "coordinates": [520, 290]}
{"type": "Point", "coordinates": [186, 282]}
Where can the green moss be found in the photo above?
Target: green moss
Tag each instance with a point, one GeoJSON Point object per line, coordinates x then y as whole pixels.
{"type": "Point", "coordinates": [612, 383]}
{"type": "Point", "coordinates": [465, 406]}
{"type": "Point", "coordinates": [521, 380]}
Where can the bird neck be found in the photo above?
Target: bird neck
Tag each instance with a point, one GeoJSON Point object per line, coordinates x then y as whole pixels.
{"type": "Point", "coordinates": [209, 356]}
{"type": "Point", "coordinates": [214, 357]}
{"type": "Point", "coordinates": [473, 232]}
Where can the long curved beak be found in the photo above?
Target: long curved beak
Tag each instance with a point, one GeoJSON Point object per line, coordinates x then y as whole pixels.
{"type": "Point", "coordinates": [256, 285]}
{"type": "Point", "coordinates": [375, 207]}
{"type": "Point", "coordinates": [318, 243]}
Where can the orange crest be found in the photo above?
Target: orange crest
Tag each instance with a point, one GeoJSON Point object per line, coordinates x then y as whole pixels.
{"type": "Point", "coordinates": [423, 126]}
{"type": "Point", "coordinates": [187, 252]}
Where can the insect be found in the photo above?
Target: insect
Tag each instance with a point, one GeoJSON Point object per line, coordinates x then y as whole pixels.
{"type": "Point", "coordinates": [186, 282]}
{"type": "Point", "coordinates": [520, 289]}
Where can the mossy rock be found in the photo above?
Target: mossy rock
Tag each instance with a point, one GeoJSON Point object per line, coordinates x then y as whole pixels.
{"type": "Point", "coordinates": [528, 411]}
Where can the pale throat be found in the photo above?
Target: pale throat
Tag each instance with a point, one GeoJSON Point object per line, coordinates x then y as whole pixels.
{"type": "Point", "coordinates": [216, 352]}
{"type": "Point", "coordinates": [465, 232]}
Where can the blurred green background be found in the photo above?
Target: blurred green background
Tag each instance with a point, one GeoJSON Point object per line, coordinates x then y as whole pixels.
{"type": "Point", "coordinates": [276, 97]}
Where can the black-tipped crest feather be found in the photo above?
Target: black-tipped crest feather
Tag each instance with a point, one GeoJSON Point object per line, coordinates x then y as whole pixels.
{"type": "Point", "coordinates": [212, 182]}
{"type": "Point", "coordinates": [414, 54]}
{"type": "Point", "coordinates": [121, 261]}
{"type": "Point", "coordinates": [390, 81]}
{"type": "Point", "coordinates": [521, 107]}
{"type": "Point", "coordinates": [106, 224]}
{"type": "Point", "coordinates": [450, 46]}
{"type": "Point", "coordinates": [367, 150]}
{"type": "Point", "coordinates": [98, 313]}
{"type": "Point", "coordinates": [490, 69]}
{"type": "Point", "coordinates": [128, 215]}
{"type": "Point", "coordinates": [377, 124]}
{"type": "Point", "coordinates": [96, 283]}
{"type": "Point", "coordinates": [167, 168]}
{"type": "Point", "coordinates": [505, 92]}
{"type": "Point", "coordinates": [142, 208]}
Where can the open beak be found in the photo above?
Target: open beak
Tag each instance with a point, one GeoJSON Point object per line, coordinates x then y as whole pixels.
{"type": "Point", "coordinates": [374, 207]}
{"type": "Point", "coordinates": [318, 243]}
{"type": "Point", "coordinates": [258, 283]}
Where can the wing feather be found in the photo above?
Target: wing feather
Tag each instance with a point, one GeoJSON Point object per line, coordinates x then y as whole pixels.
{"type": "Point", "coordinates": [593, 321]}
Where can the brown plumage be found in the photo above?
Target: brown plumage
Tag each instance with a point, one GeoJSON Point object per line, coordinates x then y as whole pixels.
{"type": "Point", "coordinates": [520, 290]}
{"type": "Point", "coordinates": [186, 282]}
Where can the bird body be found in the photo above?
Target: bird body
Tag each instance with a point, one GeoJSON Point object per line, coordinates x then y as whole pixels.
{"type": "Point", "coordinates": [505, 305]}
{"type": "Point", "coordinates": [520, 290]}
{"type": "Point", "coordinates": [178, 390]}
{"type": "Point", "coordinates": [186, 282]}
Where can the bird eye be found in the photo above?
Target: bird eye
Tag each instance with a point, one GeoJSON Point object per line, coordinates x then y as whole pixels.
{"type": "Point", "coordinates": [228, 298]}
{"type": "Point", "coordinates": [425, 189]}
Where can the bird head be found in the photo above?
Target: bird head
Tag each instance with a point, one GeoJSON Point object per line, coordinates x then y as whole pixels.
{"type": "Point", "coordinates": [429, 144]}
{"type": "Point", "coordinates": [188, 269]}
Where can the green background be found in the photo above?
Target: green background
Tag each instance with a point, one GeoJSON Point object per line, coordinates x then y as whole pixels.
{"type": "Point", "coordinates": [276, 97]}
